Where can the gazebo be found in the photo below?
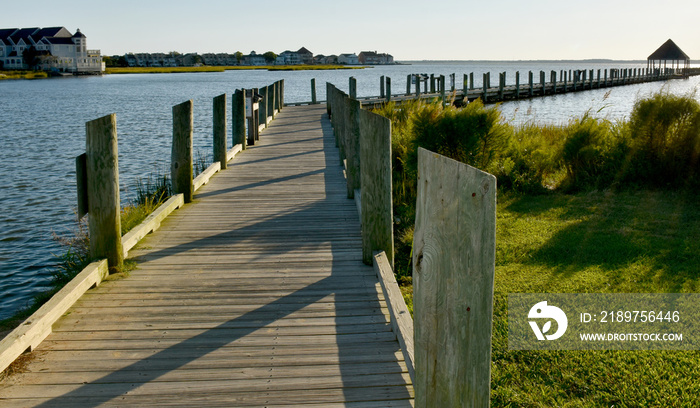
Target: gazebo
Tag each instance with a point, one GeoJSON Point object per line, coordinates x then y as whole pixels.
{"type": "Point", "coordinates": [669, 51]}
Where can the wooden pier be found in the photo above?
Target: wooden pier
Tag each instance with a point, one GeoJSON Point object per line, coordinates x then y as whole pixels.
{"type": "Point", "coordinates": [253, 295]}
{"type": "Point", "coordinates": [530, 85]}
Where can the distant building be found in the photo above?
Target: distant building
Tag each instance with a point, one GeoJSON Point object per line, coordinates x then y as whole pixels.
{"type": "Point", "coordinates": [306, 56]}
{"type": "Point", "coordinates": [348, 59]}
{"type": "Point", "coordinates": [288, 58]}
{"type": "Point", "coordinates": [253, 59]}
{"type": "Point", "coordinates": [54, 48]}
{"type": "Point", "coordinates": [373, 58]}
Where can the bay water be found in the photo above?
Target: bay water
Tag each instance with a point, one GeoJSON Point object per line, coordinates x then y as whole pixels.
{"type": "Point", "coordinates": [42, 130]}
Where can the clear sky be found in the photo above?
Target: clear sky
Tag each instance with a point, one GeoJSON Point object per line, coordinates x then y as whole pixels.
{"type": "Point", "coordinates": [407, 29]}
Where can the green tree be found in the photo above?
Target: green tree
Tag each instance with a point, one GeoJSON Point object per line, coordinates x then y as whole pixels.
{"type": "Point", "coordinates": [239, 56]}
{"type": "Point", "coordinates": [270, 56]}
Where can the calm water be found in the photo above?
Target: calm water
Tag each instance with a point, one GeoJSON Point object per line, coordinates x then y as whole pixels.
{"type": "Point", "coordinates": [42, 130]}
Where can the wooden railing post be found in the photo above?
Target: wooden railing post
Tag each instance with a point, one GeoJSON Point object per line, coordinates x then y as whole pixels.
{"type": "Point", "coordinates": [501, 84]}
{"type": "Point", "coordinates": [454, 248]}
{"type": "Point", "coordinates": [554, 81]}
{"type": "Point", "coordinates": [471, 80]}
{"type": "Point", "coordinates": [313, 91]}
{"type": "Point", "coordinates": [408, 84]}
{"type": "Point", "coordinates": [262, 109]}
{"type": "Point", "coordinates": [486, 86]}
{"type": "Point", "coordinates": [271, 100]}
{"type": "Point", "coordinates": [381, 87]}
{"type": "Point", "coordinates": [281, 81]}
{"type": "Point", "coordinates": [517, 84]}
{"type": "Point", "coordinates": [181, 157]}
{"type": "Point", "coordinates": [104, 208]}
{"type": "Point", "coordinates": [530, 80]}
{"type": "Point", "coordinates": [238, 118]}
{"type": "Point", "coordinates": [220, 130]}
{"type": "Point", "coordinates": [375, 175]}
{"type": "Point", "coordinates": [542, 82]}
{"type": "Point", "coordinates": [443, 96]}
{"type": "Point", "coordinates": [353, 87]}
{"type": "Point", "coordinates": [388, 89]}
{"type": "Point", "coordinates": [418, 81]}
{"type": "Point", "coordinates": [351, 132]}
{"type": "Point", "coordinates": [465, 89]}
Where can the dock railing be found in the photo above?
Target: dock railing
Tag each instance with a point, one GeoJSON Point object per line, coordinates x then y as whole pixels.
{"type": "Point", "coordinates": [98, 196]}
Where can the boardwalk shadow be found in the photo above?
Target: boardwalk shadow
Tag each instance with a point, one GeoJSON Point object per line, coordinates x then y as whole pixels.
{"type": "Point", "coordinates": [356, 385]}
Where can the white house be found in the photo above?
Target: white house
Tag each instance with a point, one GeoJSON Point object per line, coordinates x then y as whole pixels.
{"type": "Point", "coordinates": [55, 48]}
{"type": "Point", "coordinates": [348, 59]}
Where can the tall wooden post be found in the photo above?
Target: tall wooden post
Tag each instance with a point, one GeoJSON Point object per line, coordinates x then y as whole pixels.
{"type": "Point", "coordinates": [432, 83]}
{"type": "Point", "coordinates": [486, 87]}
{"type": "Point", "coordinates": [501, 85]}
{"type": "Point", "coordinates": [517, 84]}
{"type": "Point", "coordinates": [313, 91]}
{"type": "Point", "coordinates": [220, 130]}
{"type": "Point", "coordinates": [381, 86]}
{"type": "Point", "coordinates": [465, 89]}
{"type": "Point", "coordinates": [408, 84]}
{"type": "Point", "coordinates": [351, 127]}
{"type": "Point", "coordinates": [443, 96]}
{"type": "Point", "coordinates": [554, 81]}
{"type": "Point", "coordinates": [471, 80]}
{"type": "Point", "coordinates": [542, 82]}
{"type": "Point", "coordinates": [281, 82]}
{"type": "Point", "coordinates": [454, 247]}
{"type": "Point", "coordinates": [530, 77]}
{"type": "Point", "coordinates": [418, 80]}
{"type": "Point", "coordinates": [104, 208]}
{"type": "Point", "coordinates": [375, 175]}
{"type": "Point", "coordinates": [353, 88]}
{"type": "Point", "coordinates": [271, 100]}
{"type": "Point", "coordinates": [238, 118]}
{"type": "Point", "coordinates": [566, 88]}
{"type": "Point", "coordinates": [388, 89]}
{"type": "Point", "coordinates": [181, 157]}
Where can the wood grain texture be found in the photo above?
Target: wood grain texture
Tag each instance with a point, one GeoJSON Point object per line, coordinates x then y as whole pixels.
{"type": "Point", "coordinates": [181, 166]}
{"type": "Point", "coordinates": [453, 274]}
{"type": "Point", "coordinates": [38, 326]}
{"type": "Point", "coordinates": [375, 176]}
{"type": "Point", "coordinates": [103, 190]}
{"type": "Point", "coordinates": [253, 295]}
{"type": "Point", "coordinates": [219, 130]}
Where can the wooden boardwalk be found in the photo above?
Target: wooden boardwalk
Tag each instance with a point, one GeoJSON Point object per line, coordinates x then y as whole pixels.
{"type": "Point", "coordinates": [255, 295]}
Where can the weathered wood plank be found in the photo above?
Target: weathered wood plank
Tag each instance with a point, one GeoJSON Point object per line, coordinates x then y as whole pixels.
{"type": "Point", "coordinates": [453, 274]}
{"type": "Point", "coordinates": [375, 169]}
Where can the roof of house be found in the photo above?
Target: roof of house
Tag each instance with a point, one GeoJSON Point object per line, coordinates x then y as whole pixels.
{"type": "Point", "coordinates": [78, 34]}
{"type": "Point", "coordinates": [668, 51]}
{"type": "Point", "coordinates": [23, 33]}
{"type": "Point", "coordinates": [303, 50]}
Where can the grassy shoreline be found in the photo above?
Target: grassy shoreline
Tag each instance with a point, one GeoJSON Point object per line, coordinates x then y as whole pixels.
{"type": "Point", "coordinates": [174, 70]}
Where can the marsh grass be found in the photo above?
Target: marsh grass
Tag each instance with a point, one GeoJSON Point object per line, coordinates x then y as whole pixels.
{"type": "Point", "coordinates": [23, 75]}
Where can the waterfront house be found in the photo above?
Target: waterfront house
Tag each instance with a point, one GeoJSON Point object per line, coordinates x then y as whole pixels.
{"type": "Point", "coordinates": [348, 59]}
{"type": "Point", "coordinates": [54, 48]}
{"type": "Point", "coordinates": [306, 56]}
{"type": "Point", "coordinates": [373, 58]}
{"type": "Point", "coordinates": [288, 58]}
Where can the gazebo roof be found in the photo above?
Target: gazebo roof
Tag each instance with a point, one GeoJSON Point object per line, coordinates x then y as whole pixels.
{"type": "Point", "coordinates": [669, 51]}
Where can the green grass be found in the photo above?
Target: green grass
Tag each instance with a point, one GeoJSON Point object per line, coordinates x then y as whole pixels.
{"type": "Point", "coordinates": [22, 75]}
{"type": "Point", "coordinates": [595, 242]}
